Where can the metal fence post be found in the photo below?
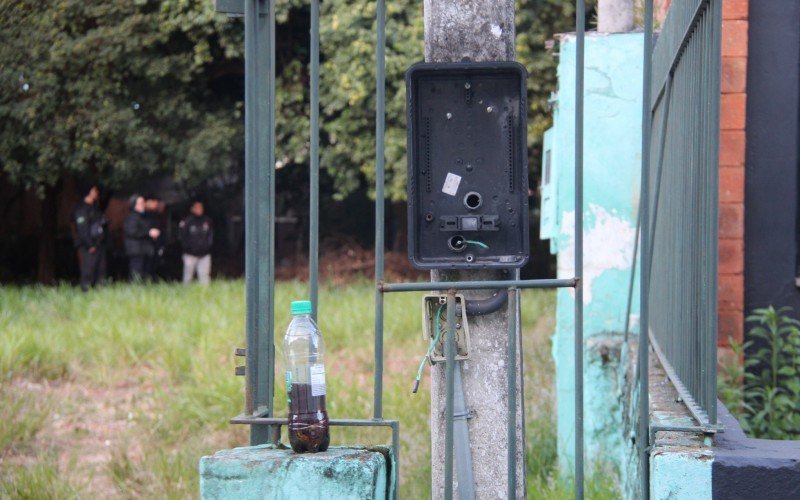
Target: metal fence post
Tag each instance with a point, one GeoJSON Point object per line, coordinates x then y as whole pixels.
{"type": "Point", "coordinates": [580, 26]}
{"type": "Point", "coordinates": [380, 159]}
{"type": "Point", "coordinates": [259, 213]}
{"type": "Point", "coordinates": [644, 204]}
{"type": "Point", "coordinates": [313, 237]}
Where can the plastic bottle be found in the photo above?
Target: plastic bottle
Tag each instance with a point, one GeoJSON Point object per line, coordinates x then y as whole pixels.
{"type": "Point", "coordinates": [305, 382]}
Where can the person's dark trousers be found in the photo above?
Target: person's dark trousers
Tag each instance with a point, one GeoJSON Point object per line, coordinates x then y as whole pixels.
{"type": "Point", "coordinates": [137, 267]}
{"type": "Point", "coordinates": [93, 267]}
{"type": "Point", "coordinates": [152, 267]}
{"type": "Point", "coordinates": [149, 266]}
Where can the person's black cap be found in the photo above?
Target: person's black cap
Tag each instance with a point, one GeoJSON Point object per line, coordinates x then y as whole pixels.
{"type": "Point", "coordinates": [132, 200]}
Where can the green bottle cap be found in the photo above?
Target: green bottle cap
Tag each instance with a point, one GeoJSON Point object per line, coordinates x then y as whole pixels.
{"type": "Point", "coordinates": [301, 307]}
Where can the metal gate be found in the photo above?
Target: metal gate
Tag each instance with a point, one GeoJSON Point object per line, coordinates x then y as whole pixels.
{"type": "Point", "coordinates": [259, 25]}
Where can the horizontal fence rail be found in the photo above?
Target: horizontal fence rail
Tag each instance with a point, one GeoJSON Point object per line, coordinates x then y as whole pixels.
{"type": "Point", "coordinates": [682, 232]}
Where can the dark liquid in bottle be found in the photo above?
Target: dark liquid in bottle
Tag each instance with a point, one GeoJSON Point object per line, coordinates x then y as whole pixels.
{"type": "Point", "coordinates": [308, 420]}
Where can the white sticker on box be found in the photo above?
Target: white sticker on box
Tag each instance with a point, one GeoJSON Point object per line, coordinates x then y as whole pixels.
{"type": "Point", "coordinates": [451, 184]}
{"type": "Point", "coordinates": [317, 380]}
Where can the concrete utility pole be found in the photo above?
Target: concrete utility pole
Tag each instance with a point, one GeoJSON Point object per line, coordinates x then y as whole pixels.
{"type": "Point", "coordinates": [614, 16]}
{"type": "Point", "coordinates": [481, 30]}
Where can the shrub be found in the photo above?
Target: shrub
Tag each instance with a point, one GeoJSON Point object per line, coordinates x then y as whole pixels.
{"type": "Point", "coordinates": [770, 396]}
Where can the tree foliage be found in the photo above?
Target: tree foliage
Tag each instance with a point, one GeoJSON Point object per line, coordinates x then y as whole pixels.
{"type": "Point", "coordinates": [114, 89]}
{"type": "Point", "coordinates": [348, 41]}
{"type": "Point", "coordinates": [120, 89]}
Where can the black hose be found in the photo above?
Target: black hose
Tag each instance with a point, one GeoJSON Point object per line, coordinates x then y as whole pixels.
{"type": "Point", "coordinates": [480, 307]}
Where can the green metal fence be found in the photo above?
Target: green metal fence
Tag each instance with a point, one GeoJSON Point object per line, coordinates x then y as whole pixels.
{"type": "Point", "coordinates": [678, 214]}
{"type": "Point", "coordinates": [259, 24]}
{"type": "Point", "coordinates": [680, 203]}
{"type": "Point", "coordinates": [683, 288]}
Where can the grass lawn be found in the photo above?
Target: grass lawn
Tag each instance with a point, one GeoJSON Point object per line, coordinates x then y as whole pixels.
{"type": "Point", "coordinates": [119, 392]}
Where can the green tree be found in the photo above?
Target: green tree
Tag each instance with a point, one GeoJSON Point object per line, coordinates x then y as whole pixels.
{"type": "Point", "coordinates": [113, 90]}
{"type": "Point", "coordinates": [348, 82]}
{"type": "Point", "coordinates": [348, 77]}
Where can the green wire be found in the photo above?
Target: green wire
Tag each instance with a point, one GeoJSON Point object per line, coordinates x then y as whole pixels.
{"type": "Point", "coordinates": [430, 347]}
{"type": "Point", "coordinates": [476, 243]}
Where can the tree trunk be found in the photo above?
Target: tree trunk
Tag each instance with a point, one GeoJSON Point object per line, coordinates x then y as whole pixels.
{"type": "Point", "coordinates": [398, 237]}
{"type": "Point", "coordinates": [48, 226]}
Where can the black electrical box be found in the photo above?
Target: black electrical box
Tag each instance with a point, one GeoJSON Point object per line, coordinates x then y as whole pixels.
{"type": "Point", "coordinates": [467, 165]}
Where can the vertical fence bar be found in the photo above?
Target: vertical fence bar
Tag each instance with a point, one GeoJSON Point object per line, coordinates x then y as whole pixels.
{"type": "Point", "coordinates": [268, 280]}
{"type": "Point", "coordinates": [450, 354]}
{"type": "Point", "coordinates": [259, 214]}
{"type": "Point", "coordinates": [711, 174]}
{"type": "Point", "coordinates": [380, 117]}
{"type": "Point", "coordinates": [715, 68]}
{"type": "Point", "coordinates": [313, 237]}
{"type": "Point", "coordinates": [702, 299]}
{"type": "Point", "coordinates": [679, 281]}
{"type": "Point", "coordinates": [511, 373]}
{"type": "Point", "coordinates": [634, 258]}
{"type": "Point", "coordinates": [250, 184]}
{"type": "Point", "coordinates": [270, 218]}
{"type": "Point", "coordinates": [693, 348]}
{"type": "Point", "coordinates": [644, 202]}
{"type": "Point", "coordinates": [659, 166]}
{"type": "Point", "coordinates": [580, 23]}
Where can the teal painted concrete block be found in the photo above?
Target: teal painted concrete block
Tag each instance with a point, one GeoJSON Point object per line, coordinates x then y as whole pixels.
{"type": "Point", "coordinates": [676, 475]}
{"type": "Point", "coordinates": [269, 473]}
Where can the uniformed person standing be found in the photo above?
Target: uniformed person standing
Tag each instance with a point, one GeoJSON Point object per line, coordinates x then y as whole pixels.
{"type": "Point", "coordinates": [139, 239]}
{"type": "Point", "coordinates": [196, 234]}
{"type": "Point", "coordinates": [154, 214]}
{"type": "Point", "coordinates": [89, 234]}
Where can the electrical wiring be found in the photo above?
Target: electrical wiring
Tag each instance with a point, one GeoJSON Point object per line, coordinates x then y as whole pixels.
{"type": "Point", "coordinates": [431, 347]}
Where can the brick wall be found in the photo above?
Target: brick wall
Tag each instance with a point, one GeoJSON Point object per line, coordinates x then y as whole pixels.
{"type": "Point", "coordinates": [731, 170]}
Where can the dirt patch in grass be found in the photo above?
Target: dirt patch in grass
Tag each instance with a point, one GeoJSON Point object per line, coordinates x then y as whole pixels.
{"type": "Point", "coordinates": [85, 424]}
{"type": "Point", "coordinates": [99, 435]}
{"type": "Point", "coordinates": [342, 260]}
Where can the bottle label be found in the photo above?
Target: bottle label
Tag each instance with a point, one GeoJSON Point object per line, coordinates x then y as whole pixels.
{"type": "Point", "coordinates": [317, 380]}
{"type": "Point", "coordinates": [289, 386]}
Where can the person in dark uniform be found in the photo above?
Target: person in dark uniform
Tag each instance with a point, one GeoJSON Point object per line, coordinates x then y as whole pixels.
{"type": "Point", "coordinates": [154, 212]}
{"type": "Point", "coordinates": [196, 234]}
{"type": "Point", "coordinates": [90, 227]}
{"type": "Point", "coordinates": [139, 239]}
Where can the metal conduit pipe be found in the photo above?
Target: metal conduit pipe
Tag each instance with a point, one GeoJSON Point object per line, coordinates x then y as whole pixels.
{"type": "Point", "coordinates": [463, 454]}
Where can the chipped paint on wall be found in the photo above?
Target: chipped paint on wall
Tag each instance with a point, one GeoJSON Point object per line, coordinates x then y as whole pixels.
{"type": "Point", "coordinates": [608, 244]}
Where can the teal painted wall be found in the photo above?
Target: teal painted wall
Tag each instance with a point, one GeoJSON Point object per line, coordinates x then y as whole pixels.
{"type": "Point", "coordinates": [612, 162]}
